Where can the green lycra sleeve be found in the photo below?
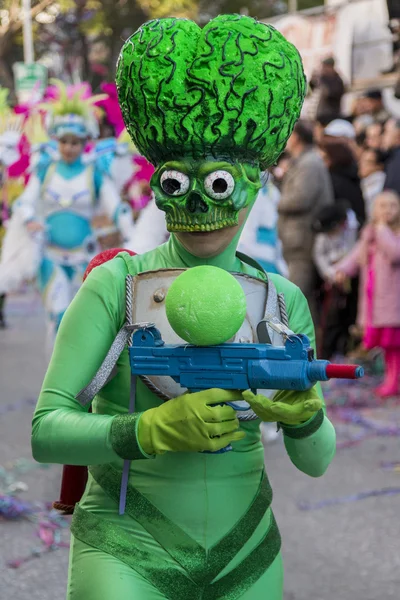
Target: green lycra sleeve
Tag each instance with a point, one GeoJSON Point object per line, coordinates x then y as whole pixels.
{"type": "Point", "coordinates": [312, 445]}
{"type": "Point", "coordinates": [62, 430]}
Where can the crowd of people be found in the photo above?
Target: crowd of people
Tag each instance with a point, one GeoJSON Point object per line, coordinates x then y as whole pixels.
{"type": "Point", "coordinates": [339, 221]}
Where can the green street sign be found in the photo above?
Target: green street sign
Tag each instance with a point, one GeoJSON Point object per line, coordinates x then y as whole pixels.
{"type": "Point", "coordinates": [30, 81]}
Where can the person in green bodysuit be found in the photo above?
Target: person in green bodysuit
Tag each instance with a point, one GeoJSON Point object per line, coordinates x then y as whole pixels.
{"type": "Point", "coordinates": [209, 108]}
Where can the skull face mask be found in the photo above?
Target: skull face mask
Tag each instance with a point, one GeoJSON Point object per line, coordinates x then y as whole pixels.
{"type": "Point", "coordinates": [204, 195]}
{"type": "Point", "coordinates": [209, 108]}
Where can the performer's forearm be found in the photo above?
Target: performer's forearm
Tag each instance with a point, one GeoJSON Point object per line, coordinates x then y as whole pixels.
{"type": "Point", "coordinates": [67, 436]}
{"type": "Point", "coordinates": [314, 452]}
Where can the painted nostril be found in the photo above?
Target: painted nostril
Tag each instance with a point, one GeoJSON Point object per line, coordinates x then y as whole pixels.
{"type": "Point", "coordinates": [196, 204]}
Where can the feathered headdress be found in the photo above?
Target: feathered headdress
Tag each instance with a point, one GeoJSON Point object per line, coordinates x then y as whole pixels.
{"type": "Point", "coordinates": [71, 113]}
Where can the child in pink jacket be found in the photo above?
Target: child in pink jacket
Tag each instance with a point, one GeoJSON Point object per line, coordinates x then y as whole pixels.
{"type": "Point", "coordinates": [377, 257]}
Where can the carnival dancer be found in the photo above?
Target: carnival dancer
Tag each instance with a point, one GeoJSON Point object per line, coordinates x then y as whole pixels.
{"type": "Point", "coordinates": [51, 235]}
{"type": "Point", "coordinates": [209, 108]}
{"type": "Point", "coordinates": [14, 162]}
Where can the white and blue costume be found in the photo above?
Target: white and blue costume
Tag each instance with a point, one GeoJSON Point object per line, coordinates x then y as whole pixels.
{"type": "Point", "coordinates": [64, 198]}
{"type": "Point", "coordinates": [259, 238]}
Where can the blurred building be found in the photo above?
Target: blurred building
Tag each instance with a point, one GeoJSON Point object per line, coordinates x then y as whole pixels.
{"type": "Point", "coordinates": [356, 33]}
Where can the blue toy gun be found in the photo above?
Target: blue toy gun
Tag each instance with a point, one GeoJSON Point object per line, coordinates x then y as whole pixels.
{"type": "Point", "coordinates": [230, 367]}
{"type": "Point", "coordinates": [233, 366]}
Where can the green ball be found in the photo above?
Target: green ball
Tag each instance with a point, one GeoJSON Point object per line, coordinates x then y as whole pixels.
{"type": "Point", "coordinates": [205, 306]}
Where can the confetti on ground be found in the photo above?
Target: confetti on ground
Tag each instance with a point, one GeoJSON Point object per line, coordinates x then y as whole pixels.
{"type": "Point", "coordinates": [9, 475]}
{"type": "Point", "coordinates": [353, 440]}
{"type": "Point", "coordinates": [304, 505]}
{"type": "Point", "coordinates": [48, 522]}
{"type": "Point", "coordinates": [359, 393]}
{"type": "Point", "coordinates": [393, 466]}
{"type": "Point", "coordinates": [374, 426]}
{"type": "Point", "coordinates": [356, 412]}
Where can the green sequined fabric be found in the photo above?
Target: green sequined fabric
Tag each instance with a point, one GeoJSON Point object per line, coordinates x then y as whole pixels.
{"type": "Point", "coordinates": [196, 570]}
{"type": "Point", "coordinates": [172, 538]}
{"type": "Point", "coordinates": [124, 438]}
{"type": "Point", "coordinates": [186, 551]}
{"type": "Point", "coordinates": [110, 538]}
{"type": "Point", "coordinates": [306, 430]}
{"type": "Point", "coordinates": [175, 585]}
{"type": "Point", "coordinates": [233, 585]}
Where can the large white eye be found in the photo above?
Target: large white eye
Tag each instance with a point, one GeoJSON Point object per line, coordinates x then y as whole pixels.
{"type": "Point", "coordinates": [219, 185]}
{"type": "Point", "coordinates": [174, 183]}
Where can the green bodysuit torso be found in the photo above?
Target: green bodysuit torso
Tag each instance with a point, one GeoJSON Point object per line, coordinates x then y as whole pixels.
{"type": "Point", "coordinates": [196, 499]}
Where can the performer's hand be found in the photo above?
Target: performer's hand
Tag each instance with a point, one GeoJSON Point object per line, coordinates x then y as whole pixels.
{"type": "Point", "coordinates": [190, 423]}
{"type": "Point", "coordinates": [288, 407]}
{"type": "Point", "coordinates": [34, 226]}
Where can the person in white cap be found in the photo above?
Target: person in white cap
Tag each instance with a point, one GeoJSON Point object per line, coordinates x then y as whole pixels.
{"type": "Point", "coordinates": [340, 128]}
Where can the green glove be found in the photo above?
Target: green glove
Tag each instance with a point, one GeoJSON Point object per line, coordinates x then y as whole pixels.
{"type": "Point", "coordinates": [288, 407]}
{"type": "Point", "coordinates": [190, 424]}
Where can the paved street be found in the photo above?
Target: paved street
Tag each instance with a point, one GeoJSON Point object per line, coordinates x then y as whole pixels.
{"type": "Point", "coordinates": [346, 551]}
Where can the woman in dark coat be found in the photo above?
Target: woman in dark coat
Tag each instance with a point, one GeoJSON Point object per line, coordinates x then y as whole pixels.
{"type": "Point", "coordinates": [343, 170]}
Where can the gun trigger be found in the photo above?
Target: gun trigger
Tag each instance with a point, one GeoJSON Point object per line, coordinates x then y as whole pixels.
{"type": "Point", "coordinates": [240, 406]}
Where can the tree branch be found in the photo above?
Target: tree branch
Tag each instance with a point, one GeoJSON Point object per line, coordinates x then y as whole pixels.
{"type": "Point", "coordinates": [17, 21]}
{"type": "Point", "coordinates": [41, 6]}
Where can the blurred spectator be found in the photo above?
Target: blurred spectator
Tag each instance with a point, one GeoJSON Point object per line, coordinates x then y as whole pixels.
{"type": "Point", "coordinates": [305, 189]}
{"type": "Point", "coordinates": [359, 145]}
{"type": "Point", "coordinates": [335, 237]}
{"type": "Point", "coordinates": [361, 123]}
{"type": "Point", "coordinates": [259, 237]}
{"type": "Point", "coordinates": [377, 257]}
{"type": "Point", "coordinates": [359, 107]}
{"type": "Point", "coordinates": [374, 106]}
{"type": "Point", "coordinates": [343, 170]}
{"type": "Point", "coordinates": [342, 131]}
{"type": "Point", "coordinates": [331, 89]}
{"type": "Point", "coordinates": [373, 135]}
{"type": "Point", "coordinates": [371, 169]}
{"type": "Point", "coordinates": [391, 144]}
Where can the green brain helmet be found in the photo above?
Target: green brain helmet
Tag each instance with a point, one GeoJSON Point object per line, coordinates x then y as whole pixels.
{"type": "Point", "coordinates": [231, 92]}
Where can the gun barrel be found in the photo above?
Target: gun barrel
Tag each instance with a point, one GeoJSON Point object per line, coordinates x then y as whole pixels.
{"type": "Point", "coordinates": [344, 371]}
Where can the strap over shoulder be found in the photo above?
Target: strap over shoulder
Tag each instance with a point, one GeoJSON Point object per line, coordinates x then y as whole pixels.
{"type": "Point", "coordinates": [274, 312]}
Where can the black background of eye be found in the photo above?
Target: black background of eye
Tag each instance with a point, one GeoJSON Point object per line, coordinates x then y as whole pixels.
{"type": "Point", "coordinates": [172, 185]}
{"type": "Point", "coordinates": [219, 185]}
